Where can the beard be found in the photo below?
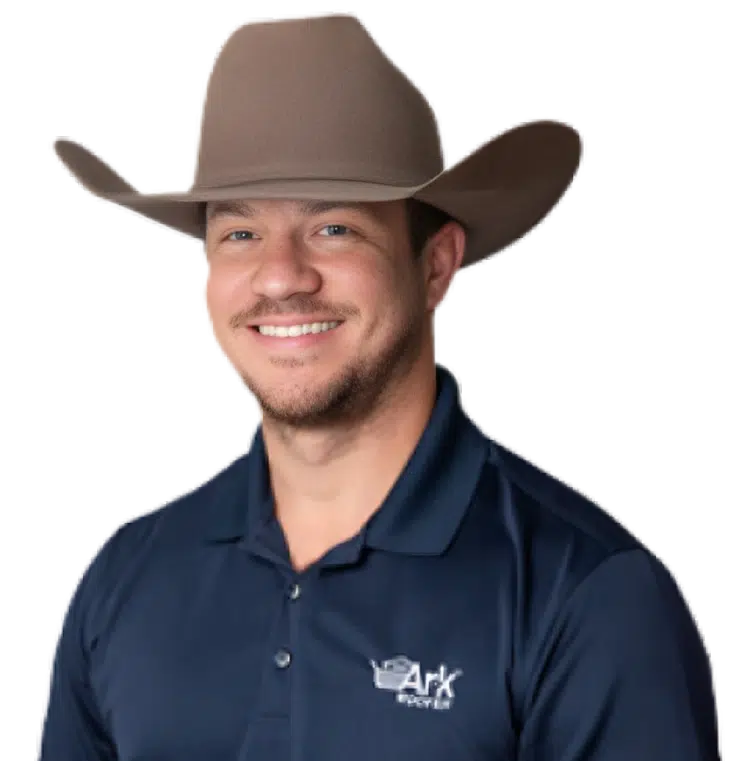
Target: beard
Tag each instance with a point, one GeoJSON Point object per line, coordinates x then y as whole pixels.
{"type": "Point", "coordinates": [358, 388]}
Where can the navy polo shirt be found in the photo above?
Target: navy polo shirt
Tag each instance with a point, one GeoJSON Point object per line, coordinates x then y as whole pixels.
{"type": "Point", "coordinates": [486, 612]}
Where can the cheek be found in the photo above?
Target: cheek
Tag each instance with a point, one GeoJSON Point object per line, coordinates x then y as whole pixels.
{"type": "Point", "coordinates": [209, 298]}
{"type": "Point", "coordinates": [388, 297]}
{"type": "Point", "coordinates": [214, 294]}
{"type": "Point", "coordinates": [222, 292]}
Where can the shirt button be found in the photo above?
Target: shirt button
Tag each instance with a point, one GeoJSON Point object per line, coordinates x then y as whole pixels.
{"type": "Point", "coordinates": [282, 659]}
{"type": "Point", "coordinates": [294, 591]}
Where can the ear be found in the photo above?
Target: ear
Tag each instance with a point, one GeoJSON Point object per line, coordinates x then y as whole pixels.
{"type": "Point", "coordinates": [442, 257]}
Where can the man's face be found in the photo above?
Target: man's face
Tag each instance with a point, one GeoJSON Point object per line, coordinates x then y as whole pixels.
{"type": "Point", "coordinates": [290, 268]}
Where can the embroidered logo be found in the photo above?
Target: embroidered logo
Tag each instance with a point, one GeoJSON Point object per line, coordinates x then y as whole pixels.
{"type": "Point", "coordinates": [412, 686]}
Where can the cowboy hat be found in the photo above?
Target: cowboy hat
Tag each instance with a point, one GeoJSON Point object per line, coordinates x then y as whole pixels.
{"type": "Point", "coordinates": [313, 109]}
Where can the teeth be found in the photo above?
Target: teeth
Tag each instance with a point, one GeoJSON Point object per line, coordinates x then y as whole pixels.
{"type": "Point", "coordinates": [283, 331]}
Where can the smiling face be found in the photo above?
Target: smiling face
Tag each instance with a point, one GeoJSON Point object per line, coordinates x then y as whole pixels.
{"type": "Point", "coordinates": [321, 307]}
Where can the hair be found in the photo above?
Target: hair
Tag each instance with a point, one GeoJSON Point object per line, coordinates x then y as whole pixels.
{"type": "Point", "coordinates": [424, 221]}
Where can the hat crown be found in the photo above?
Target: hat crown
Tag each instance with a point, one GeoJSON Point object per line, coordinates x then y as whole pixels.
{"type": "Point", "coordinates": [313, 98]}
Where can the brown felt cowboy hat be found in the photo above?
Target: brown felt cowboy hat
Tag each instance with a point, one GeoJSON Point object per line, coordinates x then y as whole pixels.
{"type": "Point", "coordinates": [313, 109]}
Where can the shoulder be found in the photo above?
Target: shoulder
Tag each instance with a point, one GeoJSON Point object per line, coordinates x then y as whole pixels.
{"type": "Point", "coordinates": [574, 574]}
{"type": "Point", "coordinates": [540, 496]}
{"type": "Point", "coordinates": [157, 536]}
{"type": "Point", "coordinates": [543, 536]}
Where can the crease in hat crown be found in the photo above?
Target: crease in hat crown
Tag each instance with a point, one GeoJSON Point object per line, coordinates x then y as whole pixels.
{"type": "Point", "coordinates": [313, 99]}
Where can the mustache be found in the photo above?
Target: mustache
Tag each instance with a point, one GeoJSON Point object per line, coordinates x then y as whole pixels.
{"type": "Point", "coordinates": [294, 306]}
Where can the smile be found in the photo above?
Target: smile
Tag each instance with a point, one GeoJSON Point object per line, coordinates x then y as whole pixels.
{"type": "Point", "coordinates": [291, 331]}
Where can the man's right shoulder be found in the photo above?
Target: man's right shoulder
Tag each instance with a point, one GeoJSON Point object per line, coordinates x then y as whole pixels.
{"type": "Point", "coordinates": [184, 522]}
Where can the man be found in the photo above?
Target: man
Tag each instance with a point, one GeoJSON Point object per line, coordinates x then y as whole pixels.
{"type": "Point", "coordinates": [375, 578]}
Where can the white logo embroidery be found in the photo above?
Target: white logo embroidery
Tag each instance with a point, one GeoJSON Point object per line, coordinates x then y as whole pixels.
{"type": "Point", "coordinates": [430, 689]}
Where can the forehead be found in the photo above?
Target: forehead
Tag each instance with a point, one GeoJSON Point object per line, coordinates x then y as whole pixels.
{"type": "Point", "coordinates": [308, 207]}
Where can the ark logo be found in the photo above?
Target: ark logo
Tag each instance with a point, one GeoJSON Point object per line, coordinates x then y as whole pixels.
{"type": "Point", "coordinates": [412, 686]}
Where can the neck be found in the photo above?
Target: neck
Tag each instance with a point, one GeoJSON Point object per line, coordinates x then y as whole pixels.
{"type": "Point", "coordinates": [333, 480]}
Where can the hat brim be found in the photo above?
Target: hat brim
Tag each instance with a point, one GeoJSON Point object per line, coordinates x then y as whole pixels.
{"type": "Point", "coordinates": [499, 192]}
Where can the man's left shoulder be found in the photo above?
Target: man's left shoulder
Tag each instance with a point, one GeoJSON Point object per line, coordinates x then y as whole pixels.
{"type": "Point", "coordinates": [540, 493]}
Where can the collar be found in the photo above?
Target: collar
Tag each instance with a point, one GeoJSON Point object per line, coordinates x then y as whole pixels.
{"type": "Point", "coordinates": [422, 511]}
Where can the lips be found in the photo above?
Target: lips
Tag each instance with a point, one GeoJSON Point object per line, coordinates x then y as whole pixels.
{"type": "Point", "coordinates": [295, 319]}
{"type": "Point", "coordinates": [296, 330]}
{"type": "Point", "coordinates": [278, 336]}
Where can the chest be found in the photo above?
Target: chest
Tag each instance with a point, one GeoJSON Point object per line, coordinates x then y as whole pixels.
{"type": "Point", "coordinates": [255, 662]}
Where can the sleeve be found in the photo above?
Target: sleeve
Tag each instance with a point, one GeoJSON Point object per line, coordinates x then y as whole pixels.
{"type": "Point", "coordinates": [73, 728]}
{"type": "Point", "coordinates": [623, 674]}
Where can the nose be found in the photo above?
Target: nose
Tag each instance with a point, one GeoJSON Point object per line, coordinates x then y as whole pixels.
{"type": "Point", "coordinates": [284, 270]}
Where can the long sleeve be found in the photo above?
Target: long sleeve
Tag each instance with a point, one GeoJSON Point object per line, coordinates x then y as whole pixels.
{"type": "Point", "coordinates": [622, 674]}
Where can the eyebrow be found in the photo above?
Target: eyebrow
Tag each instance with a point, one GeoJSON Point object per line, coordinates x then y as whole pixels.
{"type": "Point", "coordinates": [243, 209]}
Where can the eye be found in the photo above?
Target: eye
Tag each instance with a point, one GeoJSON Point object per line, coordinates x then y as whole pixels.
{"type": "Point", "coordinates": [334, 231]}
{"type": "Point", "coordinates": [335, 228]}
{"type": "Point", "coordinates": [241, 235]}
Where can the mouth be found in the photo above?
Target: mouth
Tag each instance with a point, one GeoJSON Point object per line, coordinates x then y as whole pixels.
{"type": "Point", "coordinates": [297, 330]}
{"type": "Point", "coordinates": [296, 336]}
